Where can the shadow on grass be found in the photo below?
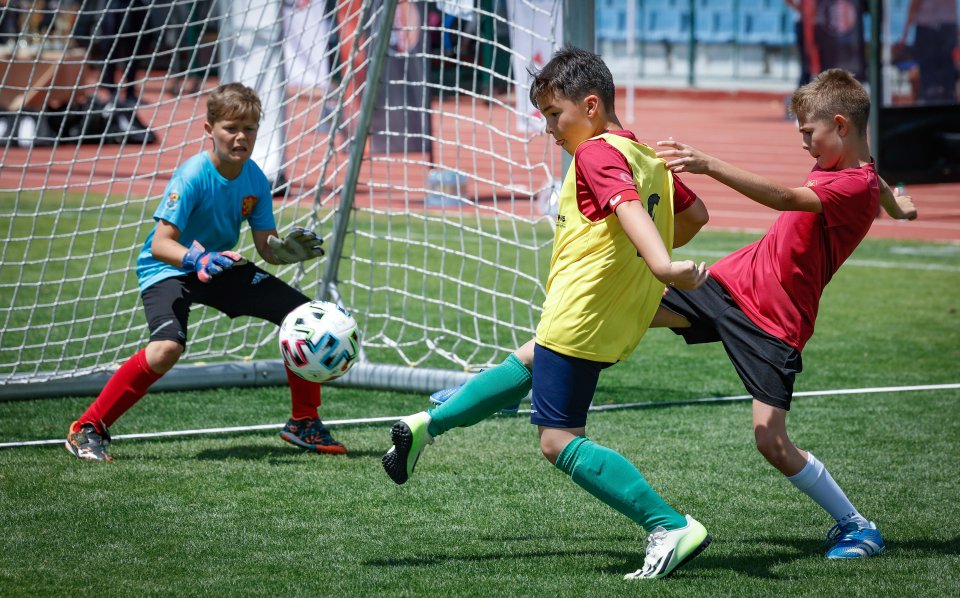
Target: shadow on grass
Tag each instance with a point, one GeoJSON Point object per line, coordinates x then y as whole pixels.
{"type": "Point", "coordinates": [761, 562]}
{"type": "Point", "coordinates": [261, 453]}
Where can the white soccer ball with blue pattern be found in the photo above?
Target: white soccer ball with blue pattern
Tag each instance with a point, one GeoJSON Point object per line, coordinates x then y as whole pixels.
{"type": "Point", "coordinates": [319, 341]}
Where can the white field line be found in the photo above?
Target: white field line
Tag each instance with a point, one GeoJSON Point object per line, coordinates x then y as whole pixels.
{"type": "Point", "coordinates": [371, 420]}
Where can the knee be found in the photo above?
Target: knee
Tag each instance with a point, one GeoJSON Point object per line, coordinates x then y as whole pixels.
{"type": "Point", "coordinates": [550, 449]}
{"type": "Point", "coordinates": [163, 355]}
{"type": "Point", "coordinates": [772, 446]}
{"type": "Point", "coordinates": [525, 354]}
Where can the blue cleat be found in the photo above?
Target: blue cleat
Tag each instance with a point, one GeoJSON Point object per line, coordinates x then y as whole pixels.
{"type": "Point", "coordinates": [440, 397]}
{"type": "Point", "coordinates": [851, 541]}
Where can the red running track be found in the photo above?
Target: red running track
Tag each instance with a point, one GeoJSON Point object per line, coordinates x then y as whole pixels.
{"type": "Point", "coordinates": [746, 129]}
{"type": "Point", "coordinates": [751, 131]}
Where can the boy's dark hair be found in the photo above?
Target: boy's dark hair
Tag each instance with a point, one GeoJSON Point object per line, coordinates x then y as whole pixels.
{"type": "Point", "coordinates": [832, 92]}
{"type": "Point", "coordinates": [573, 74]}
{"type": "Point", "coordinates": [232, 101]}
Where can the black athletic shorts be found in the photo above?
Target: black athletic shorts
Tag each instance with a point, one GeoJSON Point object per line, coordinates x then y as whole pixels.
{"type": "Point", "coordinates": [766, 365]}
{"type": "Point", "coordinates": [240, 291]}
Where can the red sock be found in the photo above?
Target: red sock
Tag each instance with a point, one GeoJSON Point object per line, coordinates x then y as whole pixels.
{"type": "Point", "coordinates": [304, 395]}
{"type": "Point", "coordinates": [122, 391]}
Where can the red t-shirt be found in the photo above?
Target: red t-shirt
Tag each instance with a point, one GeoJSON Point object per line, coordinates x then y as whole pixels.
{"type": "Point", "coordinates": [778, 280]}
{"type": "Point", "coordinates": [603, 174]}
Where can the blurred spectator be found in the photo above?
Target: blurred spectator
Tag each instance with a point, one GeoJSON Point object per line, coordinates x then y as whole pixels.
{"type": "Point", "coordinates": [114, 29]}
{"type": "Point", "coordinates": [801, 46]}
{"type": "Point", "coordinates": [11, 14]}
{"type": "Point", "coordinates": [182, 24]}
{"type": "Point", "coordinates": [833, 36]}
{"type": "Point", "coordinates": [934, 45]}
{"type": "Point", "coordinates": [117, 34]}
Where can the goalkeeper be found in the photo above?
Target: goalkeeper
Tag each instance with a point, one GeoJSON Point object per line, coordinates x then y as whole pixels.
{"type": "Point", "coordinates": [187, 259]}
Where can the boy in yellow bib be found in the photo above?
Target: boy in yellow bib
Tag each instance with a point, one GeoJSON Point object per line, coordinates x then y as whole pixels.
{"type": "Point", "coordinates": [609, 266]}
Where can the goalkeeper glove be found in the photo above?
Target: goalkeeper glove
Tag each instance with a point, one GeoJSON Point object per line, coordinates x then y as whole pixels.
{"type": "Point", "coordinates": [299, 245]}
{"type": "Point", "coordinates": [208, 264]}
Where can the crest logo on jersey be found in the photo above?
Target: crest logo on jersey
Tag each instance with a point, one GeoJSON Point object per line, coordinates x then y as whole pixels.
{"type": "Point", "coordinates": [247, 205]}
{"type": "Point", "coordinates": [811, 183]}
{"type": "Point", "coordinates": [172, 200]}
{"type": "Point", "coordinates": [561, 221]}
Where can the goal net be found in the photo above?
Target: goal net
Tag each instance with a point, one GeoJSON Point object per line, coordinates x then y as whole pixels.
{"type": "Point", "coordinates": [399, 130]}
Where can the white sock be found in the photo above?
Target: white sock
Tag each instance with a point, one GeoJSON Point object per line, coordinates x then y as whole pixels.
{"type": "Point", "coordinates": [816, 482]}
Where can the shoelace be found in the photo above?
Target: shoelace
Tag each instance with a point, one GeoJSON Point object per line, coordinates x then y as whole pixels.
{"type": "Point", "coordinates": [837, 531]}
{"type": "Point", "coordinates": [654, 540]}
{"type": "Point", "coordinates": [316, 428]}
{"type": "Point", "coordinates": [94, 435]}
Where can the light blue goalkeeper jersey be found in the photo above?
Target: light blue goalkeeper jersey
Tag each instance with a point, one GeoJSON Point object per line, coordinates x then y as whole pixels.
{"type": "Point", "coordinates": [208, 208]}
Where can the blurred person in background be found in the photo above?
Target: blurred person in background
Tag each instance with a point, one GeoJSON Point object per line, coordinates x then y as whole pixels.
{"type": "Point", "coordinates": [934, 45]}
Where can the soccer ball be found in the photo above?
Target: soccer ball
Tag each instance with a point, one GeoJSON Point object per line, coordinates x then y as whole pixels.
{"type": "Point", "coordinates": [319, 341]}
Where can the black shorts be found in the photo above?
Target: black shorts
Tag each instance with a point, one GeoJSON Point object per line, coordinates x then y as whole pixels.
{"type": "Point", "coordinates": [766, 365]}
{"type": "Point", "coordinates": [240, 291]}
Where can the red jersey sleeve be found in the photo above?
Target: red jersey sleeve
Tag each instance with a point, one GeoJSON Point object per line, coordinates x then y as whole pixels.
{"type": "Point", "coordinates": [683, 196]}
{"type": "Point", "coordinates": [602, 176]}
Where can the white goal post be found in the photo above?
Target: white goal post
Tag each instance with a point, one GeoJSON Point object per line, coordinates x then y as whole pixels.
{"type": "Point", "coordinates": [399, 130]}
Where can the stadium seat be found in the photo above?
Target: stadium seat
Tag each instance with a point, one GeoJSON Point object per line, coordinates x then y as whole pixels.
{"type": "Point", "coordinates": [715, 21]}
{"type": "Point", "coordinates": [666, 21]}
{"type": "Point", "coordinates": [611, 20]}
{"type": "Point", "coordinates": [771, 26]}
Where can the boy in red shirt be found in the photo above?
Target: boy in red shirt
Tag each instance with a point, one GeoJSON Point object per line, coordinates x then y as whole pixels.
{"type": "Point", "coordinates": [761, 301]}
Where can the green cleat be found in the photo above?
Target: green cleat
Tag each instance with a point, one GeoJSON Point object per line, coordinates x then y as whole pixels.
{"type": "Point", "coordinates": [410, 437]}
{"type": "Point", "coordinates": [667, 551]}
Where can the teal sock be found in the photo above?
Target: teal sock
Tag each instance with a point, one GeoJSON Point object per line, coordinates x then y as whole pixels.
{"type": "Point", "coordinates": [482, 396]}
{"type": "Point", "coordinates": [607, 475]}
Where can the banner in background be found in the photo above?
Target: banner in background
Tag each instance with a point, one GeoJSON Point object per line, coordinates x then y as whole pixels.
{"type": "Point", "coordinates": [306, 43]}
{"type": "Point", "coordinates": [536, 28]}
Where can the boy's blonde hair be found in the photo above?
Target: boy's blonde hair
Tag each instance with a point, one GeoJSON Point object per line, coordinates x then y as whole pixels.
{"type": "Point", "coordinates": [232, 101]}
{"type": "Point", "coordinates": [832, 92]}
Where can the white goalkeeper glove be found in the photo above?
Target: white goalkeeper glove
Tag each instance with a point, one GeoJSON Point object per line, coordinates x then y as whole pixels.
{"type": "Point", "coordinates": [299, 245]}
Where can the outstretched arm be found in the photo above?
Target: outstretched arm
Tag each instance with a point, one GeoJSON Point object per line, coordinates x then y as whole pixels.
{"type": "Point", "coordinates": [684, 158]}
{"type": "Point", "coordinates": [897, 206]}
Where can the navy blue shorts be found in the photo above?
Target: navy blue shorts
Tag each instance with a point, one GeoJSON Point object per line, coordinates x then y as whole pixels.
{"type": "Point", "coordinates": [767, 366]}
{"type": "Point", "coordinates": [563, 388]}
{"type": "Point", "coordinates": [240, 291]}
